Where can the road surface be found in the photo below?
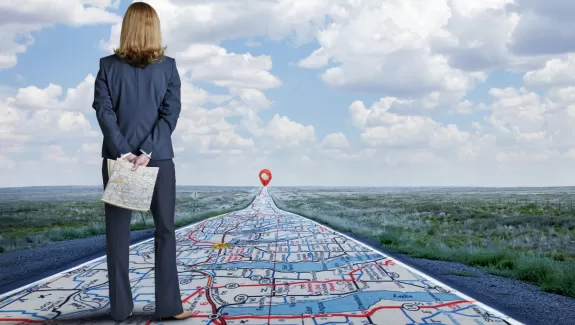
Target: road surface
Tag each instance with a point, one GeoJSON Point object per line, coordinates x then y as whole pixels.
{"type": "Point", "coordinates": [260, 265]}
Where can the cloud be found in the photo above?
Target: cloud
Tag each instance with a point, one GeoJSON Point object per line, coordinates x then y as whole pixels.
{"type": "Point", "coordinates": [335, 141]}
{"type": "Point", "coordinates": [77, 99]}
{"type": "Point", "coordinates": [382, 48]}
{"type": "Point", "coordinates": [519, 126]}
{"type": "Point", "coordinates": [557, 72]}
{"type": "Point", "coordinates": [55, 153]}
{"type": "Point", "coordinates": [36, 115]}
{"type": "Point", "coordinates": [214, 64]}
{"type": "Point", "coordinates": [465, 107]}
{"type": "Point", "coordinates": [189, 22]}
{"type": "Point", "coordinates": [18, 20]}
{"type": "Point", "coordinates": [383, 128]}
{"type": "Point", "coordinates": [317, 59]}
{"type": "Point", "coordinates": [410, 134]}
{"type": "Point", "coordinates": [408, 68]}
{"type": "Point", "coordinates": [528, 121]}
{"type": "Point", "coordinates": [545, 27]}
{"type": "Point", "coordinates": [285, 133]}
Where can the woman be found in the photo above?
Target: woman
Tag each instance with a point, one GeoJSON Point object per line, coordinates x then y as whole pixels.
{"type": "Point", "coordinates": [137, 102]}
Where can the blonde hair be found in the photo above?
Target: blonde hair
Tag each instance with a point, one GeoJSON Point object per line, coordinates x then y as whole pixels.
{"type": "Point", "coordinates": [141, 38]}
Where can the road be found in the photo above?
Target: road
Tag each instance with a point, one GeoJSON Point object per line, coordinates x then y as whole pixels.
{"type": "Point", "coordinates": [260, 265]}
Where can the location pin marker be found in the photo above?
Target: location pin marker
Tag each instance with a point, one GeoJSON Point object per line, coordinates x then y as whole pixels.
{"type": "Point", "coordinates": [265, 176]}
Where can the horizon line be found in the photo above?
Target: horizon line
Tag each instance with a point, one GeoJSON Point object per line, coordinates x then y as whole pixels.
{"type": "Point", "coordinates": [327, 186]}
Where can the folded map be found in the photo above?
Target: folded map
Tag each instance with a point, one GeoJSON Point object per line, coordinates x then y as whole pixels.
{"type": "Point", "coordinates": [130, 189]}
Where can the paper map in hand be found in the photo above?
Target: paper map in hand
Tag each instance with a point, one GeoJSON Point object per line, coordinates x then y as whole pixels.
{"type": "Point", "coordinates": [130, 189]}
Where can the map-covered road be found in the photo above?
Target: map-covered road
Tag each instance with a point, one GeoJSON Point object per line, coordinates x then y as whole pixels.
{"type": "Point", "coordinates": [260, 265]}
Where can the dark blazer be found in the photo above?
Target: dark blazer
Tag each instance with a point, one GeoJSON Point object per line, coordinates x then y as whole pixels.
{"type": "Point", "coordinates": [137, 108]}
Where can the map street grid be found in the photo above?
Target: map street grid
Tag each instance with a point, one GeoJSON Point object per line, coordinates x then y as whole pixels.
{"type": "Point", "coordinates": [259, 265]}
{"type": "Point", "coordinates": [130, 189]}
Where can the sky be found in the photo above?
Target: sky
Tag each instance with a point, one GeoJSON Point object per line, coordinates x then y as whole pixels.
{"type": "Point", "coordinates": [321, 92]}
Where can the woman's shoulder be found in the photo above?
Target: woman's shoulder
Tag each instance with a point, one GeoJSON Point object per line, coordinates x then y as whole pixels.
{"type": "Point", "coordinates": [168, 59]}
{"type": "Point", "coordinates": [166, 62]}
{"type": "Point", "coordinates": [114, 59]}
{"type": "Point", "coordinates": [110, 59]}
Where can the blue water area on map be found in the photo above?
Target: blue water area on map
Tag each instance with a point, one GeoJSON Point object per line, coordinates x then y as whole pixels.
{"type": "Point", "coordinates": [350, 303]}
{"type": "Point", "coordinates": [305, 266]}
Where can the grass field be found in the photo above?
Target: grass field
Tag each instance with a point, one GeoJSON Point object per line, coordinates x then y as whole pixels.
{"type": "Point", "coordinates": [526, 234]}
{"type": "Point", "coordinates": [35, 216]}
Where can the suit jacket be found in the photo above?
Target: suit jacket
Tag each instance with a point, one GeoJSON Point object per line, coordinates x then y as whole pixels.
{"type": "Point", "coordinates": [137, 108]}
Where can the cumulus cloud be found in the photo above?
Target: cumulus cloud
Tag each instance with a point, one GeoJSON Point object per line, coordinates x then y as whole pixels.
{"type": "Point", "coordinates": [36, 115]}
{"type": "Point", "coordinates": [285, 133]}
{"type": "Point", "coordinates": [545, 27]}
{"type": "Point", "coordinates": [557, 72]}
{"type": "Point", "coordinates": [382, 128]}
{"type": "Point", "coordinates": [419, 59]}
{"type": "Point", "coordinates": [19, 19]}
{"type": "Point", "coordinates": [410, 134]}
{"type": "Point", "coordinates": [77, 99]}
{"type": "Point", "coordinates": [189, 22]}
{"type": "Point", "coordinates": [384, 48]}
{"type": "Point", "coordinates": [335, 141]}
{"type": "Point", "coordinates": [214, 64]}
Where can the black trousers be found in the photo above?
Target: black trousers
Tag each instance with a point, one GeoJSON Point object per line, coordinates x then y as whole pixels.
{"type": "Point", "coordinates": [118, 221]}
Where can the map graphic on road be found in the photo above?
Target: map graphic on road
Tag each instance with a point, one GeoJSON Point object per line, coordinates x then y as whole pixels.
{"type": "Point", "coordinates": [130, 189]}
{"type": "Point", "coordinates": [260, 265]}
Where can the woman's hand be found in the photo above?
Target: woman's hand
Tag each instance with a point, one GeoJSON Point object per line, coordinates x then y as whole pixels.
{"type": "Point", "coordinates": [142, 160]}
{"type": "Point", "coordinates": [131, 158]}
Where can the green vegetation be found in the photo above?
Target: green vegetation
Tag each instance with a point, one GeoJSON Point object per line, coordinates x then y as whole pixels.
{"type": "Point", "coordinates": [523, 234]}
{"type": "Point", "coordinates": [35, 222]}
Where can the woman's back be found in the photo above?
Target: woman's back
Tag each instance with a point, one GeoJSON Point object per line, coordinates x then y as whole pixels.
{"type": "Point", "coordinates": [139, 98]}
{"type": "Point", "coordinates": [137, 103]}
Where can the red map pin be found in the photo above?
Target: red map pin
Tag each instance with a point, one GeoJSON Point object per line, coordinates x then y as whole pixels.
{"type": "Point", "coordinates": [265, 176]}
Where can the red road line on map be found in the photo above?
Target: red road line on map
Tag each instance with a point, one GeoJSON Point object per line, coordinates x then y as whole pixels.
{"type": "Point", "coordinates": [367, 313]}
{"type": "Point", "coordinates": [363, 314]}
{"type": "Point", "coordinates": [210, 279]}
{"type": "Point", "coordinates": [353, 271]}
{"type": "Point", "coordinates": [209, 298]}
{"type": "Point", "coordinates": [363, 267]}
{"type": "Point", "coordinates": [199, 227]}
{"type": "Point", "coordinates": [193, 294]}
{"type": "Point", "coordinates": [228, 230]}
